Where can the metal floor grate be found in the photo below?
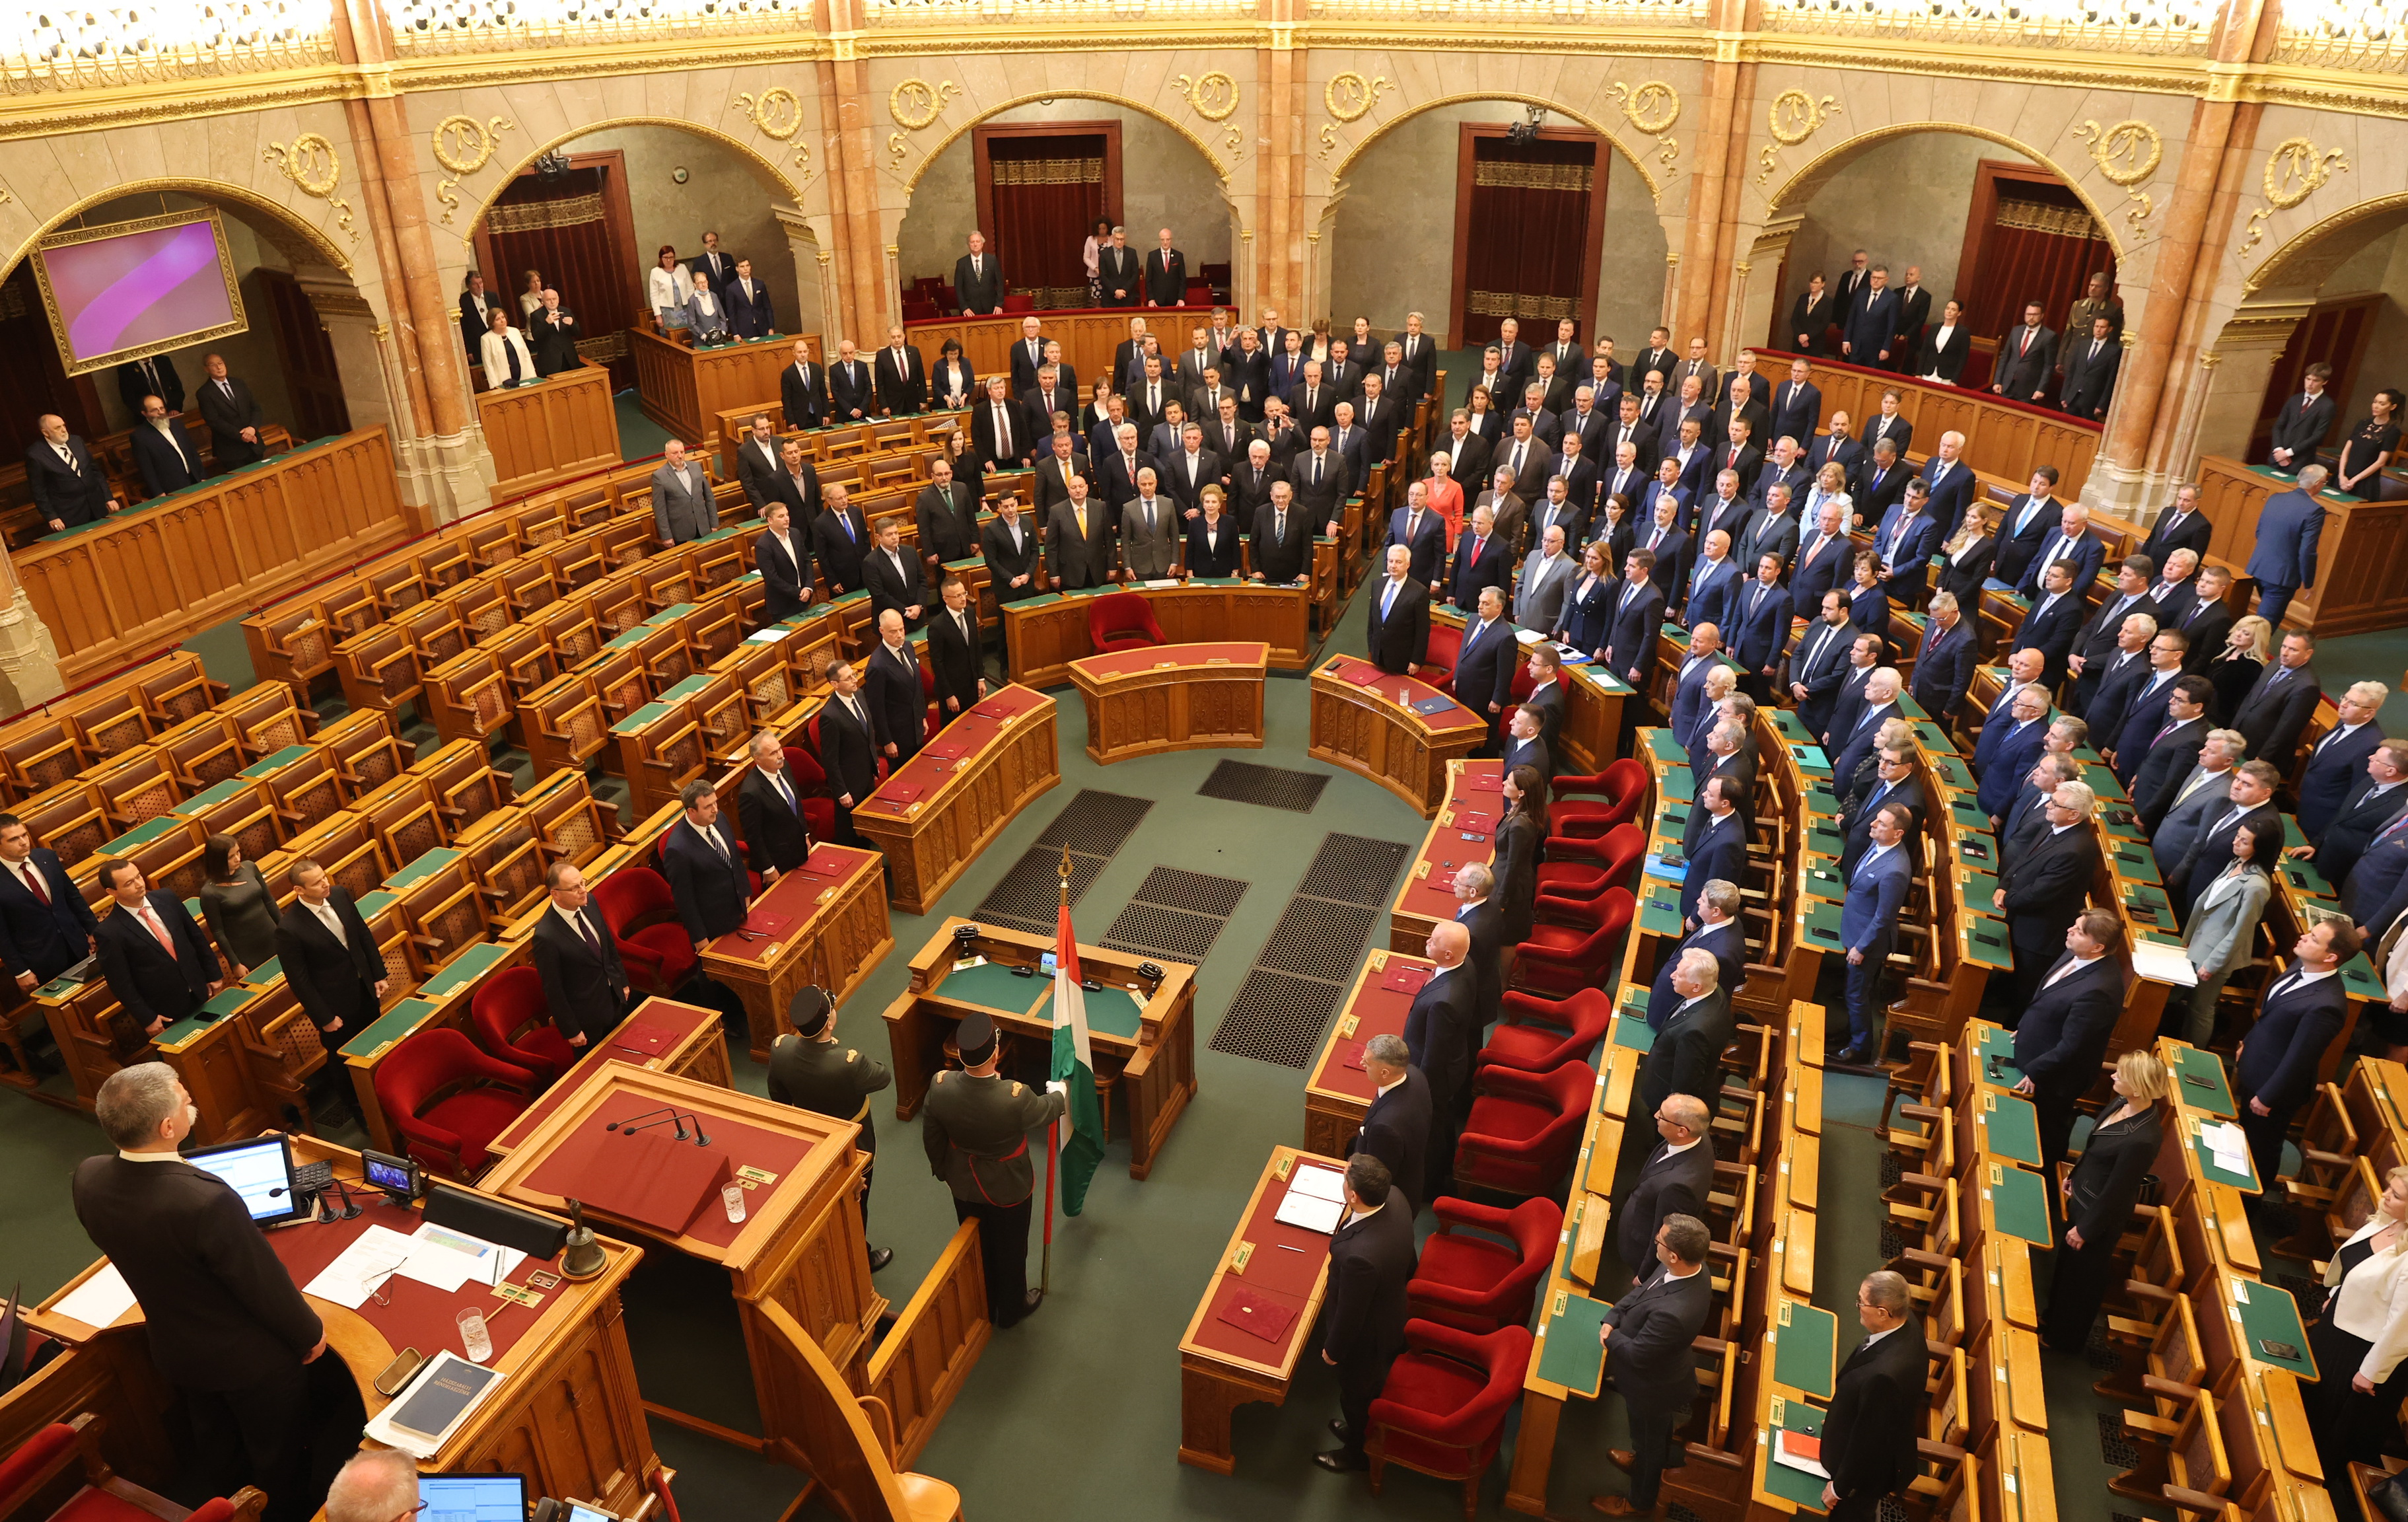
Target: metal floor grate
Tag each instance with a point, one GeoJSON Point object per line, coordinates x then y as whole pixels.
{"type": "Point", "coordinates": [2118, 1453]}
{"type": "Point", "coordinates": [1277, 1018]}
{"type": "Point", "coordinates": [1272, 787]}
{"type": "Point", "coordinates": [1354, 870]}
{"type": "Point", "coordinates": [1095, 824]}
{"type": "Point", "coordinates": [1198, 892]}
{"type": "Point", "coordinates": [1153, 930]}
{"type": "Point", "coordinates": [1315, 937]}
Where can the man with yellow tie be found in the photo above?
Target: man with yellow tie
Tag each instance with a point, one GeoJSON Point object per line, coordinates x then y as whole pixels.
{"type": "Point", "coordinates": [1079, 540]}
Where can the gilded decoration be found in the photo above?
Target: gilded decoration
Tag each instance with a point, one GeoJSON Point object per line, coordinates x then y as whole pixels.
{"type": "Point", "coordinates": [308, 160]}
{"type": "Point", "coordinates": [1652, 108]}
{"type": "Point", "coordinates": [776, 112]}
{"type": "Point", "coordinates": [464, 146]}
{"type": "Point", "coordinates": [915, 103]}
{"type": "Point", "coordinates": [2127, 153]}
{"type": "Point", "coordinates": [1214, 95]}
{"type": "Point", "coordinates": [2294, 171]}
{"type": "Point", "coordinates": [1793, 117]}
{"type": "Point", "coordinates": [1349, 96]}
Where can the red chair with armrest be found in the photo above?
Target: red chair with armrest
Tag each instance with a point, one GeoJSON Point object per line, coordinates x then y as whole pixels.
{"type": "Point", "coordinates": [1123, 621]}
{"type": "Point", "coordinates": [59, 1472]}
{"type": "Point", "coordinates": [1445, 1406]}
{"type": "Point", "coordinates": [1559, 960]}
{"type": "Point", "coordinates": [1619, 789]}
{"type": "Point", "coordinates": [641, 912]}
{"type": "Point", "coordinates": [804, 775]}
{"type": "Point", "coordinates": [1539, 1035]}
{"type": "Point", "coordinates": [1579, 868]}
{"type": "Point", "coordinates": [447, 1100]}
{"type": "Point", "coordinates": [1475, 1285]}
{"type": "Point", "coordinates": [1523, 1129]}
{"type": "Point", "coordinates": [1520, 689]}
{"type": "Point", "coordinates": [514, 1024]}
{"type": "Point", "coordinates": [1445, 649]}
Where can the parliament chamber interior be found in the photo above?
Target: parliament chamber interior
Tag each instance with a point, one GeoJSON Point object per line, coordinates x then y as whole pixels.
{"type": "Point", "coordinates": [1572, 756]}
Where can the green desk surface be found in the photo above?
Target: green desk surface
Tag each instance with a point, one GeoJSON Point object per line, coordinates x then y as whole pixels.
{"type": "Point", "coordinates": [2357, 978]}
{"type": "Point", "coordinates": [1999, 1045]}
{"type": "Point", "coordinates": [2143, 895]}
{"type": "Point", "coordinates": [1822, 926]}
{"type": "Point", "coordinates": [677, 610]}
{"type": "Point", "coordinates": [1615, 686]}
{"type": "Point", "coordinates": [1933, 737]}
{"type": "Point", "coordinates": [1805, 1346]}
{"type": "Point", "coordinates": [2103, 783]}
{"type": "Point", "coordinates": [993, 987]}
{"type": "Point", "coordinates": [2245, 1181]}
{"type": "Point", "coordinates": [1790, 727]}
{"type": "Point", "coordinates": [1951, 770]}
{"type": "Point", "coordinates": [229, 1001]}
{"type": "Point", "coordinates": [2291, 483]}
{"type": "Point", "coordinates": [265, 972]}
{"type": "Point", "coordinates": [2303, 878]}
{"type": "Point", "coordinates": [1571, 1354]}
{"type": "Point", "coordinates": [1985, 943]}
{"type": "Point", "coordinates": [2134, 863]}
{"type": "Point", "coordinates": [1660, 916]}
{"type": "Point", "coordinates": [230, 787]}
{"type": "Point", "coordinates": [1914, 711]}
{"type": "Point", "coordinates": [424, 867]}
{"type": "Point", "coordinates": [1823, 840]}
{"type": "Point", "coordinates": [140, 835]}
{"type": "Point", "coordinates": [1824, 884]}
{"type": "Point", "coordinates": [398, 1022]}
{"type": "Point", "coordinates": [1672, 819]}
{"type": "Point", "coordinates": [2200, 1082]}
{"type": "Point", "coordinates": [2111, 830]}
{"type": "Point", "coordinates": [651, 714]}
{"type": "Point", "coordinates": [1631, 1031]}
{"type": "Point", "coordinates": [1975, 849]}
{"type": "Point", "coordinates": [1111, 1011]}
{"type": "Point", "coordinates": [1811, 760]}
{"type": "Point", "coordinates": [268, 765]}
{"type": "Point", "coordinates": [373, 904]}
{"type": "Point", "coordinates": [463, 970]}
{"type": "Point", "coordinates": [2269, 1315]}
{"type": "Point", "coordinates": [628, 641]}
{"type": "Point", "coordinates": [1968, 816]}
{"type": "Point", "coordinates": [1978, 890]}
{"type": "Point", "coordinates": [2019, 1202]}
{"type": "Point", "coordinates": [1821, 802]}
{"type": "Point", "coordinates": [1662, 744]}
{"type": "Point", "coordinates": [1794, 1486]}
{"type": "Point", "coordinates": [1676, 783]}
{"type": "Point", "coordinates": [2012, 1127]}
{"type": "Point", "coordinates": [684, 690]}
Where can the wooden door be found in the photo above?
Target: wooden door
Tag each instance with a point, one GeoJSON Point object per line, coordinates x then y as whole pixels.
{"type": "Point", "coordinates": [310, 378]}
{"type": "Point", "coordinates": [2333, 333]}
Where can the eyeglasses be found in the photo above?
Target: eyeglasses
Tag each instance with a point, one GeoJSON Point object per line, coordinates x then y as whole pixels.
{"type": "Point", "coordinates": [412, 1511]}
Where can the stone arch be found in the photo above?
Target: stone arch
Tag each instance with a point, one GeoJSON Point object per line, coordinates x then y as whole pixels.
{"type": "Point", "coordinates": [277, 222]}
{"type": "Point", "coordinates": [2308, 256]}
{"type": "Point", "coordinates": [1592, 123]}
{"type": "Point", "coordinates": [987, 111]}
{"type": "Point", "coordinates": [1799, 190]}
{"type": "Point", "coordinates": [768, 167]}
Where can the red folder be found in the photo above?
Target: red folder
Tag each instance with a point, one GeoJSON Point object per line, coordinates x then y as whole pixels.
{"type": "Point", "coordinates": [1350, 1053]}
{"type": "Point", "coordinates": [1264, 1317]}
{"type": "Point", "coordinates": [1476, 823]}
{"type": "Point", "coordinates": [902, 794]}
{"type": "Point", "coordinates": [768, 922]}
{"type": "Point", "coordinates": [1361, 675]}
{"type": "Point", "coordinates": [648, 1176]}
{"type": "Point", "coordinates": [651, 1040]}
{"type": "Point", "coordinates": [819, 866]}
{"type": "Point", "coordinates": [947, 749]}
{"type": "Point", "coordinates": [1405, 978]}
{"type": "Point", "coordinates": [1482, 783]}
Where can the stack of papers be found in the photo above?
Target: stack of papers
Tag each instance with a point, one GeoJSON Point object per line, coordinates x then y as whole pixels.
{"type": "Point", "coordinates": [2228, 1146]}
{"type": "Point", "coordinates": [2161, 963]}
{"type": "Point", "coordinates": [1316, 1199]}
{"type": "Point", "coordinates": [1799, 1452]}
{"type": "Point", "coordinates": [99, 1300]}
{"type": "Point", "coordinates": [360, 1269]}
{"type": "Point", "coordinates": [447, 1259]}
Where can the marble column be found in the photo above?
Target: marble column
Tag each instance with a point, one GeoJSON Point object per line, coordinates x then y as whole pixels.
{"type": "Point", "coordinates": [1758, 290]}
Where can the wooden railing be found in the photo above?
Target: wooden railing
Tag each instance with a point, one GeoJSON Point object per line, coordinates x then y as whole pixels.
{"type": "Point", "coordinates": [935, 1341]}
{"type": "Point", "coordinates": [2005, 441]}
{"type": "Point", "coordinates": [684, 390]}
{"type": "Point", "coordinates": [562, 426]}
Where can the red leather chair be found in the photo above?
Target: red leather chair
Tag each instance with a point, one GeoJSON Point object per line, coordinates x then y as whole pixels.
{"type": "Point", "coordinates": [1540, 1035]}
{"type": "Point", "coordinates": [1444, 1405]}
{"type": "Point", "coordinates": [1519, 689]}
{"type": "Point", "coordinates": [1019, 301]}
{"type": "Point", "coordinates": [1475, 1285]}
{"type": "Point", "coordinates": [1523, 1129]}
{"type": "Point", "coordinates": [514, 1024]}
{"type": "Point", "coordinates": [1579, 868]}
{"type": "Point", "coordinates": [38, 1472]}
{"type": "Point", "coordinates": [809, 780]}
{"type": "Point", "coordinates": [445, 1099]}
{"type": "Point", "coordinates": [928, 698]}
{"type": "Point", "coordinates": [1621, 788]}
{"type": "Point", "coordinates": [1445, 649]}
{"type": "Point", "coordinates": [636, 904]}
{"type": "Point", "coordinates": [1558, 960]}
{"type": "Point", "coordinates": [1123, 621]}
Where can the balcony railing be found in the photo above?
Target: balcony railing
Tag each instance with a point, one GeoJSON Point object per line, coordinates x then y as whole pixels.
{"type": "Point", "coordinates": [2365, 35]}
{"type": "Point", "coordinates": [110, 47]}
{"type": "Point", "coordinates": [2123, 26]}
{"type": "Point", "coordinates": [1484, 12]}
{"type": "Point", "coordinates": [909, 13]}
{"type": "Point", "coordinates": [468, 27]}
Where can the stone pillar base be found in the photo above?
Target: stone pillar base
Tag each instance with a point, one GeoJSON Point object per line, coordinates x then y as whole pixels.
{"type": "Point", "coordinates": [29, 658]}
{"type": "Point", "coordinates": [445, 477]}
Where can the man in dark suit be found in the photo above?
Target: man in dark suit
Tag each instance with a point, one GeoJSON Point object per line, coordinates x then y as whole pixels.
{"type": "Point", "coordinates": [1797, 404]}
{"type": "Point", "coordinates": [852, 387]}
{"type": "Point", "coordinates": [1890, 779]}
{"type": "Point", "coordinates": [154, 376]}
{"type": "Point", "coordinates": [2091, 361]}
{"type": "Point", "coordinates": [2008, 748]}
{"type": "Point", "coordinates": [841, 540]}
{"type": "Point", "coordinates": [330, 956]}
{"type": "Point", "coordinates": [2274, 1072]}
{"type": "Point", "coordinates": [2278, 707]}
{"type": "Point", "coordinates": [760, 459]}
{"type": "Point", "coordinates": [1884, 483]}
{"type": "Point", "coordinates": [945, 515]}
{"type": "Point", "coordinates": [893, 575]}
{"type": "Point", "coordinates": [1525, 744]}
{"type": "Point", "coordinates": [706, 873]}
{"type": "Point", "coordinates": [1480, 560]}
{"type": "Point", "coordinates": [1869, 924]}
{"type": "Point", "coordinates": [1638, 607]}
{"type": "Point", "coordinates": [2283, 556]}
{"type": "Point", "coordinates": [978, 280]}
{"type": "Point", "coordinates": [957, 652]}
{"type": "Point", "coordinates": [2249, 796]}
{"type": "Point", "coordinates": [1676, 1178]}
{"type": "Point", "coordinates": [1869, 1433]}
{"type": "Point", "coordinates": [1321, 478]}
{"type": "Point", "coordinates": [2301, 424]}
{"type": "Point", "coordinates": [1371, 1259]}
{"type": "Point", "coordinates": [2031, 521]}
{"type": "Point", "coordinates": [2365, 813]}
{"type": "Point", "coordinates": [1718, 850]}
{"type": "Point", "coordinates": [2043, 888]}
{"type": "Point", "coordinates": [1008, 546]}
{"type": "Point", "coordinates": [1906, 541]}
{"type": "Point", "coordinates": [1166, 274]}
{"type": "Point", "coordinates": [2027, 359]}
{"type": "Point", "coordinates": [2181, 526]}
{"type": "Point", "coordinates": [1078, 541]}
{"type": "Point", "coordinates": [1396, 1127]}
{"type": "Point", "coordinates": [1283, 538]}
{"type": "Point", "coordinates": [475, 309]}
{"type": "Point", "coordinates": [898, 704]}
{"type": "Point", "coordinates": [224, 1323]}
{"type": "Point", "coordinates": [232, 415]}
{"type": "Point", "coordinates": [2065, 1022]}
{"type": "Point", "coordinates": [1914, 311]}
{"type": "Point", "coordinates": [1837, 446]}
{"type": "Point", "coordinates": [68, 485]}
{"type": "Point", "coordinates": [158, 964]}
{"type": "Point", "coordinates": [1819, 664]}
{"type": "Point", "coordinates": [1485, 660]}
{"type": "Point", "coordinates": [45, 925]}
{"type": "Point", "coordinates": [2071, 544]}
{"type": "Point", "coordinates": [1826, 558]}
{"type": "Point", "coordinates": [1761, 620]}
{"type": "Point", "coordinates": [848, 746]}
{"type": "Point", "coordinates": [769, 809]}
{"type": "Point", "coordinates": [1000, 435]}
{"type": "Point", "coordinates": [1944, 668]}
{"type": "Point", "coordinates": [1887, 422]}
{"type": "Point", "coordinates": [163, 451]}
{"type": "Point", "coordinates": [1953, 483]}
{"type": "Point", "coordinates": [902, 377]}
{"type": "Point", "coordinates": [1868, 319]}
{"type": "Point", "coordinates": [552, 335]}
{"type": "Point", "coordinates": [1687, 1057]}
{"type": "Point", "coordinates": [1118, 270]}
{"type": "Point", "coordinates": [1740, 402]}
{"type": "Point", "coordinates": [1647, 1354]}
{"type": "Point", "coordinates": [2052, 621]}
{"type": "Point", "coordinates": [2337, 762]}
{"type": "Point", "coordinates": [784, 558]}
{"type": "Point", "coordinates": [2168, 752]}
{"type": "Point", "coordinates": [1399, 618]}
{"type": "Point", "coordinates": [751, 314]}
{"type": "Point", "coordinates": [585, 985]}
{"type": "Point", "coordinates": [1061, 461]}
{"type": "Point", "coordinates": [803, 389]}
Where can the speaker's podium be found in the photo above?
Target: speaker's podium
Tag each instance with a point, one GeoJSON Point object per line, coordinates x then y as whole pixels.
{"type": "Point", "coordinates": [801, 1245]}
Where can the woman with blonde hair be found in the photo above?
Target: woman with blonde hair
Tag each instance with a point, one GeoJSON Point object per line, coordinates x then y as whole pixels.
{"type": "Point", "coordinates": [2099, 1197]}
{"type": "Point", "coordinates": [531, 297]}
{"type": "Point", "coordinates": [2360, 1343]}
{"type": "Point", "coordinates": [1970, 553]}
{"type": "Point", "coordinates": [1445, 496]}
{"type": "Point", "coordinates": [2237, 667]}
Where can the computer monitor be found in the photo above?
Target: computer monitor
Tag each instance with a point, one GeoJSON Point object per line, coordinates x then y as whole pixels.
{"type": "Point", "coordinates": [259, 1171]}
{"type": "Point", "coordinates": [473, 1498]}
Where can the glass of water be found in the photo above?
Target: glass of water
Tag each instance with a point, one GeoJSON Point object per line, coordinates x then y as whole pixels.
{"type": "Point", "coordinates": [733, 1198]}
{"type": "Point", "coordinates": [474, 1340]}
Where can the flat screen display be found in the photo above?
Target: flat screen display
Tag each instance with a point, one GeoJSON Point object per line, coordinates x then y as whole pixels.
{"type": "Point", "coordinates": [136, 288]}
{"type": "Point", "coordinates": [261, 1171]}
{"type": "Point", "coordinates": [473, 1498]}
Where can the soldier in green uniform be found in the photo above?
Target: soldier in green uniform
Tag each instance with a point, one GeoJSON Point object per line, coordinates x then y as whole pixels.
{"type": "Point", "coordinates": [977, 1125]}
{"type": "Point", "coordinates": [811, 1071]}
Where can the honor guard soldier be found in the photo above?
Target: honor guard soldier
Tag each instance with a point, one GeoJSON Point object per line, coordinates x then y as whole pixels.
{"type": "Point", "coordinates": [977, 1124]}
{"type": "Point", "coordinates": [810, 1070]}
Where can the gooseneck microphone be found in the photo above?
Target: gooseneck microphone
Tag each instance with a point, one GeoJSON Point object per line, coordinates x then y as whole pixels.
{"type": "Point", "coordinates": [665, 1115]}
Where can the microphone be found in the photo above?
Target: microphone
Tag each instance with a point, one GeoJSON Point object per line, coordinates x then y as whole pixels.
{"type": "Point", "coordinates": [629, 1122]}
{"type": "Point", "coordinates": [350, 1211]}
{"type": "Point", "coordinates": [669, 1115]}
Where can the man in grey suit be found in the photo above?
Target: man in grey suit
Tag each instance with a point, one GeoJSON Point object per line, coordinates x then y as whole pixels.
{"type": "Point", "coordinates": [1150, 530]}
{"type": "Point", "coordinates": [682, 505]}
{"type": "Point", "coordinates": [1546, 576]}
{"type": "Point", "coordinates": [2200, 795]}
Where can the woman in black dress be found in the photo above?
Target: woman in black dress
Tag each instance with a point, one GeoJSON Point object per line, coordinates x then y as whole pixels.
{"type": "Point", "coordinates": [2100, 1194]}
{"type": "Point", "coordinates": [1971, 554]}
{"type": "Point", "coordinates": [2236, 667]}
{"type": "Point", "coordinates": [235, 901]}
{"type": "Point", "coordinates": [1943, 351]}
{"type": "Point", "coordinates": [1589, 609]}
{"type": "Point", "coordinates": [1868, 604]}
{"type": "Point", "coordinates": [2369, 446]}
{"type": "Point", "coordinates": [951, 381]}
{"type": "Point", "coordinates": [1518, 837]}
{"type": "Point", "coordinates": [1616, 530]}
{"type": "Point", "coordinates": [2359, 1339]}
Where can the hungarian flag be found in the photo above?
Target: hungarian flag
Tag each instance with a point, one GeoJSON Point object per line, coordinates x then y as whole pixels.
{"type": "Point", "coordinates": [1074, 1063]}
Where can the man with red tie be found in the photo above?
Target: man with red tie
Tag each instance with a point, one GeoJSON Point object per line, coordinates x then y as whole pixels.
{"type": "Point", "coordinates": [157, 962]}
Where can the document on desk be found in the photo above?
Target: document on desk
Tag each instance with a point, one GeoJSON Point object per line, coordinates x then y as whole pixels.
{"type": "Point", "coordinates": [448, 1259]}
{"type": "Point", "coordinates": [1315, 1200]}
{"type": "Point", "coordinates": [99, 1300]}
{"type": "Point", "coordinates": [360, 1269]}
{"type": "Point", "coordinates": [2228, 1146]}
{"type": "Point", "coordinates": [1800, 1452]}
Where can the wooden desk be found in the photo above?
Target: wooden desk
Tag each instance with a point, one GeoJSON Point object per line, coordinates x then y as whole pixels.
{"type": "Point", "coordinates": [1172, 697]}
{"type": "Point", "coordinates": [685, 389]}
{"type": "Point", "coordinates": [696, 1049]}
{"type": "Point", "coordinates": [1591, 734]}
{"type": "Point", "coordinates": [933, 815]}
{"type": "Point", "coordinates": [1222, 1366]}
{"type": "Point", "coordinates": [1428, 894]}
{"type": "Point", "coordinates": [823, 923]}
{"type": "Point", "coordinates": [2361, 560]}
{"type": "Point", "coordinates": [569, 1415]}
{"type": "Point", "coordinates": [1043, 634]}
{"type": "Point", "coordinates": [440, 1002]}
{"type": "Point", "coordinates": [1144, 1045]}
{"type": "Point", "coordinates": [1364, 720]}
{"type": "Point", "coordinates": [1339, 1092]}
{"type": "Point", "coordinates": [801, 1245]}
{"type": "Point", "coordinates": [550, 430]}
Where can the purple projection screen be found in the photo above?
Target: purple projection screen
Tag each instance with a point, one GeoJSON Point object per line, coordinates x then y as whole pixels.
{"type": "Point", "coordinates": [133, 289]}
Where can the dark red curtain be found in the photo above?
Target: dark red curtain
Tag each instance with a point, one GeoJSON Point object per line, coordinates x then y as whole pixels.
{"type": "Point", "coordinates": [1529, 221]}
{"type": "Point", "coordinates": [561, 228]}
{"type": "Point", "coordinates": [2033, 251]}
{"type": "Point", "coordinates": [1048, 192]}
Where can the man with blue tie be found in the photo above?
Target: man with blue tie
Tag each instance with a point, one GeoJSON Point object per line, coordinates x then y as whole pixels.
{"type": "Point", "coordinates": [2282, 559]}
{"type": "Point", "coordinates": [1727, 508]}
{"type": "Point", "coordinates": [2368, 810]}
{"type": "Point", "coordinates": [2339, 760]}
{"type": "Point", "coordinates": [2055, 618]}
{"type": "Point", "coordinates": [1638, 613]}
{"type": "Point", "coordinates": [1400, 618]}
{"type": "Point", "coordinates": [1856, 747]}
{"type": "Point", "coordinates": [1719, 847]}
{"type": "Point", "coordinates": [2024, 668]}
{"type": "Point", "coordinates": [2029, 520]}
{"type": "Point", "coordinates": [1423, 535]}
{"type": "Point", "coordinates": [1714, 584]}
{"type": "Point", "coordinates": [1689, 702]}
{"type": "Point", "coordinates": [1869, 924]}
{"type": "Point", "coordinates": [1484, 920]}
{"type": "Point", "coordinates": [1951, 480]}
{"type": "Point", "coordinates": [2095, 645]}
{"type": "Point", "coordinates": [2274, 1072]}
{"type": "Point", "coordinates": [1819, 664]}
{"type": "Point", "coordinates": [1762, 620]}
{"type": "Point", "coordinates": [2127, 734]}
{"type": "Point", "coordinates": [2121, 677]}
{"type": "Point", "coordinates": [2019, 742]}
{"type": "Point", "coordinates": [1864, 659]}
{"type": "Point", "coordinates": [2070, 545]}
{"type": "Point", "coordinates": [1484, 663]}
{"type": "Point", "coordinates": [1869, 323]}
{"type": "Point", "coordinates": [1797, 403]}
{"type": "Point", "coordinates": [1715, 930]}
{"type": "Point", "coordinates": [1944, 668]}
{"type": "Point", "coordinates": [2163, 739]}
{"type": "Point", "coordinates": [1906, 539]}
{"type": "Point", "coordinates": [1893, 782]}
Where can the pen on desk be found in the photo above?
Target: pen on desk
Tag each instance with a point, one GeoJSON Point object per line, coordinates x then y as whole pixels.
{"type": "Point", "coordinates": [1285, 1248]}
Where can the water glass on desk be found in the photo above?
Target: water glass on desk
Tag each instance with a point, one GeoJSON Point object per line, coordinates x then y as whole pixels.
{"type": "Point", "coordinates": [474, 1340]}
